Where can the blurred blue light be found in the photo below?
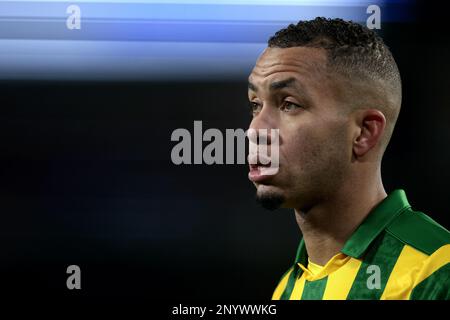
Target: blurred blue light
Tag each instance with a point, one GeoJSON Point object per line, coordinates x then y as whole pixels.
{"type": "Point", "coordinates": [153, 39]}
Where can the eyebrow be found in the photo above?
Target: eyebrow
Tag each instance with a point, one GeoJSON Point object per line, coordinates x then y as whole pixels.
{"type": "Point", "coordinates": [252, 87]}
{"type": "Point", "coordinates": [276, 85]}
{"type": "Point", "coordinates": [282, 84]}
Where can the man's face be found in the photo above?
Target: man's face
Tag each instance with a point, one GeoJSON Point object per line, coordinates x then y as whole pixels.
{"type": "Point", "coordinates": [291, 90]}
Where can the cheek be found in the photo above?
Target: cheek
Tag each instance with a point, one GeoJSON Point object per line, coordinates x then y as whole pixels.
{"type": "Point", "coordinates": [300, 145]}
{"type": "Point", "coordinates": [309, 146]}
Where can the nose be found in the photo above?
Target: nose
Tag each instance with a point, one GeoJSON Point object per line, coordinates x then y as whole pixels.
{"type": "Point", "coordinates": [264, 138]}
{"type": "Point", "coordinates": [262, 123]}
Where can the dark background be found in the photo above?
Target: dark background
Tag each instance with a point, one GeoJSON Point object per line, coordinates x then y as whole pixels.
{"type": "Point", "coordinates": [86, 179]}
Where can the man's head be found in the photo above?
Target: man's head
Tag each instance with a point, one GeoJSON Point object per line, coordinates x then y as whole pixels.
{"type": "Point", "coordinates": [333, 90]}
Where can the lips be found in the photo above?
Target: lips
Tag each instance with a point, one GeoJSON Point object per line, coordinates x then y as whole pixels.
{"type": "Point", "coordinates": [260, 168]}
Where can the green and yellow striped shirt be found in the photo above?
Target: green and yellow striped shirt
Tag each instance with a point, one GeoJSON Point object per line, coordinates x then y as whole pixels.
{"type": "Point", "coordinates": [396, 253]}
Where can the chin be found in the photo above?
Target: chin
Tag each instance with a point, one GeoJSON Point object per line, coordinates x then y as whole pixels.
{"type": "Point", "coordinates": [270, 197]}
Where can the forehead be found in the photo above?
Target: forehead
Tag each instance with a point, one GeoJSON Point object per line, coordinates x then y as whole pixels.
{"type": "Point", "coordinates": [299, 62]}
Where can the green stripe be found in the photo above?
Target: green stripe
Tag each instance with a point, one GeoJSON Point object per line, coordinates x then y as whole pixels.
{"type": "Point", "coordinates": [314, 290]}
{"type": "Point", "coordinates": [291, 283]}
{"type": "Point", "coordinates": [383, 253]}
{"type": "Point", "coordinates": [435, 287]}
{"type": "Point", "coordinates": [289, 286]}
{"type": "Point", "coordinates": [300, 257]}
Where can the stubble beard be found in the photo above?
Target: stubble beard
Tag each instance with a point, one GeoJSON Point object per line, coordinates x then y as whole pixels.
{"type": "Point", "coordinates": [270, 200]}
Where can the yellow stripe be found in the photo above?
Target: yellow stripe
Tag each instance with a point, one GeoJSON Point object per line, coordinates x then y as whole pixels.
{"type": "Point", "coordinates": [281, 286]}
{"type": "Point", "coordinates": [402, 277]}
{"type": "Point", "coordinates": [411, 268]}
{"type": "Point", "coordinates": [438, 259]}
{"type": "Point", "coordinates": [340, 281]}
{"type": "Point", "coordinates": [298, 288]}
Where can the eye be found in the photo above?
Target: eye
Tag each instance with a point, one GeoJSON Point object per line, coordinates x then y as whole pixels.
{"type": "Point", "coordinates": [288, 106]}
{"type": "Point", "coordinates": [255, 107]}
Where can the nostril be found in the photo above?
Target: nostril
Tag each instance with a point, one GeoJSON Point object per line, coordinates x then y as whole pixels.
{"type": "Point", "coordinates": [252, 135]}
{"type": "Point", "coordinates": [264, 137]}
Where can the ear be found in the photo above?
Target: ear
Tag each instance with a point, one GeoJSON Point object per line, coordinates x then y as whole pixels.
{"type": "Point", "coordinates": [371, 123]}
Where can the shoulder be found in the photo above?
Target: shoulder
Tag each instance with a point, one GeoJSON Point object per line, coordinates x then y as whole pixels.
{"type": "Point", "coordinates": [428, 244]}
{"type": "Point", "coordinates": [418, 230]}
{"type": "Point", "coordinates": [433, 282]}
{"type": "Point", "coordinates": [277, 294]}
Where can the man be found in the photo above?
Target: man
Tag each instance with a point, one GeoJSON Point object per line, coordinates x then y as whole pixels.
{"type": "Point", "coordinates": [333, 90]}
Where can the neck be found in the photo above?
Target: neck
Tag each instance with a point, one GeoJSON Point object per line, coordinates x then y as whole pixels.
{"type": "Point", "coordinates": [329, 224]}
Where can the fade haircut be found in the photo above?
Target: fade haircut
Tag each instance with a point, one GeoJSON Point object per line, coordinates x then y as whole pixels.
{"type": "Point", "coordinates": [353, 52]}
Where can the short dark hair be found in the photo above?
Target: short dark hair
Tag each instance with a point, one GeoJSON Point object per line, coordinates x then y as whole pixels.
{"type": "Point", "coordinates": [352, 50]}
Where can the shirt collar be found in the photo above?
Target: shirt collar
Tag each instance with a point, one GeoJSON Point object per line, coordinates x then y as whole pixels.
{"type": "Point", "coordinates": [375, 222]}
{"type": "Point", "coordinates": [332, 265]}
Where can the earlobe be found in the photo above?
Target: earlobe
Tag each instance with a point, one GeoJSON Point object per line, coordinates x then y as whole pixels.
{"type": "Point", "coordinates": [372, 126]}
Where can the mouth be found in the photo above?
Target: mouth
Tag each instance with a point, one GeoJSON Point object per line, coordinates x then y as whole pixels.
{"type": "Point", "coordinates": [261, 172]}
